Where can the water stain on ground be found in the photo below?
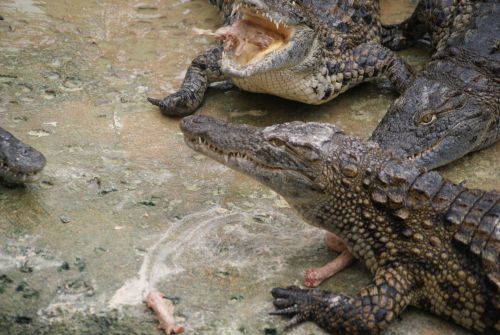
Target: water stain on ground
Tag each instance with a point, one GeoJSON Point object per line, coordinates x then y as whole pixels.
{"type": "Point", "coordinates": [124, 205]}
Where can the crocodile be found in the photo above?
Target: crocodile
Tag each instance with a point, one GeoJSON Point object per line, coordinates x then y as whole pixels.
{"type": "Point", "coordinates": [19, 162]}
{"type": "Point", "coordinates": [304, 50]}
{"type": "Point", "coordinates": [453, 107]}
{"type": "Point", "coordinates": [428, 242]}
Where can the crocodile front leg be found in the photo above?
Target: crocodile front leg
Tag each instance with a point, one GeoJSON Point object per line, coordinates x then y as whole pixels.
{"type": "Point", "coordinates": [368, 313]}
{"type": "Point", "coordinates": [315, 276]}
{"type": "Point", "coordinates": [371, 60]}
{"type": "Point", "coordinates": [203, 70]}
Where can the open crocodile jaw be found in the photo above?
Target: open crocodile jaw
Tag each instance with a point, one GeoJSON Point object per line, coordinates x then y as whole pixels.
{"type": "Point", "coordinates": [257, 43]}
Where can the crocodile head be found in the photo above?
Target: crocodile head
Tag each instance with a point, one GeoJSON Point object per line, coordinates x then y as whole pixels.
{"type": "Point", "coordinates": [433, 123]}
{"type": "Point", "coordinates": [306, 163]}
{"type": "Point", "coordinates": [19, 163]}
{"type": "Point", "coordinates": [270, 35]}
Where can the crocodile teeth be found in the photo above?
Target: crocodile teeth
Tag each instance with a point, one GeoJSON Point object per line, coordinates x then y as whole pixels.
{"type": "Point", "coordinates": [235, 9]}
{"type": "Point", "coordinates": [227, 156]}
{"type": "Point", "coordinates": [19, 176]}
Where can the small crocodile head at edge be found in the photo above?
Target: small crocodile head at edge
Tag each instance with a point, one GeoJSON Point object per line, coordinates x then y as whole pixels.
{"type": "Point", "coordinates": [19, 162]}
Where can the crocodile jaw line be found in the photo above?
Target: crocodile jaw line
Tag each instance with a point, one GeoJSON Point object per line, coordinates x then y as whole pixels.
{"type": "Point", "coordinates": [12, 175]}
{"type": "Point", "coordinates": [234, 160]}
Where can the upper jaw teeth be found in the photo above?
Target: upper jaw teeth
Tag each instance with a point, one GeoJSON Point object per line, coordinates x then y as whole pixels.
{"type": "Point", "coordinates": [240, 156]}
{"type": "Point", "coordinates": [215, 149]}
{"type": "Point", "coordinates": [419, 155]}
{"type": "Point", "coordinates": [235, 9]}
{"type": "Point", "coordinates": [238, 8]}
{"type": "Point", "coordinates": [207, 144]}
{"type": "Point", "coordinates": [226, 155]}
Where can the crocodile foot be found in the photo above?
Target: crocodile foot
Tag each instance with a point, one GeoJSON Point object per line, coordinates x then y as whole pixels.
{"type": "Point", "coordinates": [176, 104]}
{"type": "Point", "coordinates": [299, 304]}
{"type": "Point", "coordinates": [315, 276]}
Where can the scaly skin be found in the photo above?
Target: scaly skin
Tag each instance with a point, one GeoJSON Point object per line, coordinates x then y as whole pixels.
{"type": "Point", "coordinates": [453, 106]}
{"type": "Point", "coordinates": [428, 242]}
{"type": "Point", "coordinates": [329, 47]}
{"type": "Point", "coordinates": [19, 163]}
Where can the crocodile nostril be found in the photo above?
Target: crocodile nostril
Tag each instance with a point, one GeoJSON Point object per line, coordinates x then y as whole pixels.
{"type": "Point", "coordinates": [187, 123]}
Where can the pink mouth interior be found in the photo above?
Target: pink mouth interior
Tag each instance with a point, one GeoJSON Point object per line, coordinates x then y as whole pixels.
{"type": "Point", "coordinates": [241, 33]}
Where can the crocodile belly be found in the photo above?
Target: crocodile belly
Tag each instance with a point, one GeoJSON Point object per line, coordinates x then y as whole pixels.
{"type": "Point", "coordinates": [309, 89]}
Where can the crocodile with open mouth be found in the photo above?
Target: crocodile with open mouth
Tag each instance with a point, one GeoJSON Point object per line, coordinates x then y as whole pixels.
{"type": "Point", "coordinates": [453, 107]}
{"type": "Point", "coordinates": [19, 163]}
{"type": "Point", "coordinates": [304, 50]}
{"type": "Point", "coordinates": [428, 242]}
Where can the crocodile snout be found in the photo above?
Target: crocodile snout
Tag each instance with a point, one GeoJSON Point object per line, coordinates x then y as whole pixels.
{"type": "Point", "coordinates": [199, 124]}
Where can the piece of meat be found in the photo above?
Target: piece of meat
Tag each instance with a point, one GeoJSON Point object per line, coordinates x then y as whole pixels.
{"type": "Point", "coordinates": [239, 34]}
{"type": "Point", "coordinates": [164, 310]}
{"type": "Point", "coordinates": [315, 276]}
{"type": "Point", "coordinates": [334, 243]}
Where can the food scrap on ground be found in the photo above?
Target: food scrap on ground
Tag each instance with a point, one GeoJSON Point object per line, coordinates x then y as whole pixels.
{"type": "Point", "coordinates": [164, 310]}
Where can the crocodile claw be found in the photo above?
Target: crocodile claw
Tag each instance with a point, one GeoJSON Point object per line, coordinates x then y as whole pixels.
{"type": "Point", "coordinates": [294, 302]}
{"type": "Point", "coordinates": [156, 102]}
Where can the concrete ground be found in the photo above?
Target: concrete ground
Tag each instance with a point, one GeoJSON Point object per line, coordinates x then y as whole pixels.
{"type": "Point", "coordinates": [125, 206]}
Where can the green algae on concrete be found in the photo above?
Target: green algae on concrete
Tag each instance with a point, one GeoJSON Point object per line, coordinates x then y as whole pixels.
{"type": "Point", "coordinates": [125, 206]}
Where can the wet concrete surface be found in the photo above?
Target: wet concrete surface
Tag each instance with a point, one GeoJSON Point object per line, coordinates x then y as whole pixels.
{"type": "Point", "coordinates": [125, 206]}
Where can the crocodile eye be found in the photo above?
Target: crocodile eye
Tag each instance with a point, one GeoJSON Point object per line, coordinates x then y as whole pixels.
{"type": "Point", "coordinates": [277, 142]}
{"type": "Point", "coordinates": [428, 119]}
